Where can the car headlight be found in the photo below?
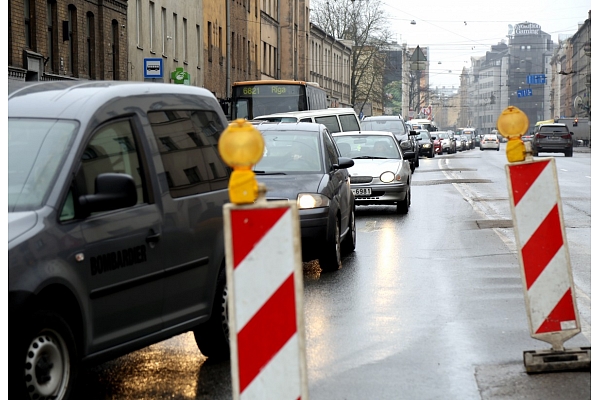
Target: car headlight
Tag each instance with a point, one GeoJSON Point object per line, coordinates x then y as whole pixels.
{"type": "Point", "coordinates": [405, 144]}
{"type": "Point", "coordinates": [312, 200]}
{"type": "Point", "coordinates": [426, 145]}
{"type": "Point", "coordinates": [387, 177]}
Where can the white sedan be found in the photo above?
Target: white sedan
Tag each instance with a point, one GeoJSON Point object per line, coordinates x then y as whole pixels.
{"type": "Point", "coordinates": [489, 142]}
{"type": "Point", "coordinates": [381, 173]}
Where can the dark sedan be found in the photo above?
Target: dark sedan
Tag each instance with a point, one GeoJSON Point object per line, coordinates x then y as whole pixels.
{"type": "Point", "coordinates": [302, 163]}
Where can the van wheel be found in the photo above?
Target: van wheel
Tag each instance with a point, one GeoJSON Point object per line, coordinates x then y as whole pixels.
{"type": "Point", "coordinates": [48, 358]}
{"type": "Point", "coordinates": [212, 337]}
{"type": "Point", "coordinates": [331, 253]}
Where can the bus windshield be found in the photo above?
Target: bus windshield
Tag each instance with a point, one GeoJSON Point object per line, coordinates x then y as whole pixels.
{"type": "Point", "coordinates": [253, 99]}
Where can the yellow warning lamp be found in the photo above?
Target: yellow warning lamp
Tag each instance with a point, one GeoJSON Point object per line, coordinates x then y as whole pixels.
{"type": "Point", "coordinates": [241, 146]}
{"type": "Point", "coordinates": [512, 124]}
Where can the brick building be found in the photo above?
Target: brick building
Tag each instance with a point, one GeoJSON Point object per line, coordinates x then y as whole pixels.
{"type": "Point", "coordinates": [72, 39]}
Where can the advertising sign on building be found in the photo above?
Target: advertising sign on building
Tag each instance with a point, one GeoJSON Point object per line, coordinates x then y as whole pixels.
{"type": "Point", "coordinates": [527, 28]}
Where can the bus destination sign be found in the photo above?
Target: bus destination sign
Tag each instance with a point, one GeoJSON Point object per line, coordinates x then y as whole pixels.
{"type": "Point", "coordinates": [268, 90]}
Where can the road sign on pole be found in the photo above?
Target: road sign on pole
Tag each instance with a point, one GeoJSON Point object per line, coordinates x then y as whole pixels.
{"type": "Point", "coordinates": [545, 265]}
{"type": "Point", "coordinates": [264, 278]}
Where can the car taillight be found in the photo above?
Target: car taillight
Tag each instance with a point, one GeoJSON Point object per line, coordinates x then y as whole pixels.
{"type": "Point", "coordinates": [566, 137]}
{"type": "Point", "coordinates": [540, 136]}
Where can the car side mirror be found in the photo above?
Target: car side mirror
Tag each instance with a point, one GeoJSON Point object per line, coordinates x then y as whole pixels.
{"type": "Point", "coordinates": [343, 162]}
{"type": "Point", "coordinates": [413, 133]}
{"type": "Point", "coordinates": [113, 191]}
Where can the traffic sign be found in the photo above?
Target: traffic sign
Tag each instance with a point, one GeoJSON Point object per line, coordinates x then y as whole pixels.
{"type": "Point", "coordinates": [536, 79]}
{"type": "Point", "coordinates": [153, 68]}
{"type": "Point", "coordinates": [524, 93]}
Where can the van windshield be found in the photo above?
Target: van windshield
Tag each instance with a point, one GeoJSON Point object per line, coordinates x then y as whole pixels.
{"type": "Point", "coordinates": [36, 152]}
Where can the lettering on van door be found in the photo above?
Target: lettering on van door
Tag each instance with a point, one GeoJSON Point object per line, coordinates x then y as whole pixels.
{"type": "Point", "coordinates": [117, 259]}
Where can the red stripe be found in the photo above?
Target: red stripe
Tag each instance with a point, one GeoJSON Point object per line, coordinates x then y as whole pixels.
{"type": "Point", "coordinates": [248, 227]}
{"type": "Point", "coordinates": [564, 311]}
{"type": "Point", "coordinates": [267, 332]}
{"type": "Point", "coordinates": [542, 246]}
{"type": "Point", "coordinates": [523, 176]}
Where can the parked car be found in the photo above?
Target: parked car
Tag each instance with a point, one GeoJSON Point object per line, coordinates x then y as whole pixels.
{"type": "Point", "coordinates": [396, 125]}
{"type": "Point", "coordinates": [381, 173]}
{"type": "Point", "coordinates": [425, 143]}
{"type": "Point", "coordinates": [489, 141]}
{"type": "Point", "coordinates": [335, 119]}
{"type": "Point", "coordinates": [115, 229]}
{"type": "Point", "coordinates": [553, 138]}
{"type": "Point", "coordinates": [302, 163]}
{"type": "Point", "coordinates": [437, 143]}
{"type": "Point", "coordinates": [448, 142]}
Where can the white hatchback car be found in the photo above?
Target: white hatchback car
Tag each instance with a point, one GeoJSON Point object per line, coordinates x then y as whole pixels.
{"type": "Point", "coordinates": [381, 173]}
{"type": "Point", "coordinates": [489, 142]}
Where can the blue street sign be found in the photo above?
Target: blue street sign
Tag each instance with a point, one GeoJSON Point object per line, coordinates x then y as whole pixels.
{"type": "Point", "coordinates": [524, 93]}
{"type": "Point", "coordinates": [536, 79]}
{"type": "Point", "coordinates": [153, 68]}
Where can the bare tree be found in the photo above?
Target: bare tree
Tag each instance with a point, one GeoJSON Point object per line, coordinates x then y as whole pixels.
{"type": "Point", "coordinates": [363, 22]}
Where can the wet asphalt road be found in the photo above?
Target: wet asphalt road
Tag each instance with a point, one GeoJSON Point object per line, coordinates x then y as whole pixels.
{"type": "Point", "coordinates": [429, 306]}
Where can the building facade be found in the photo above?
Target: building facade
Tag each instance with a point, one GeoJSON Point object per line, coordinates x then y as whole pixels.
{"type": "Point", "coordinates": [530, 52]}
{"type": "Point", "coordinates": [170, 31]}
{"type": "Point", "coordinates": [67, 39]}
{"type": "Point", "coordinates": [329, 65]}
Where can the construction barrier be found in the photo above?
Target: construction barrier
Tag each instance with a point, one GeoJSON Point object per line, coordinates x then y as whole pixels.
{"type": "Point", "coordinates": [264, 278]}
{"type": "Point", "coordinates": [545, 264]}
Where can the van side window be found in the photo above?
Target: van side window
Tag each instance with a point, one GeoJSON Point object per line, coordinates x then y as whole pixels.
{"type": "Point", "coordinates": [187, 142]}
{"type": "Point", "coordinates": [305, 120]}
{"type": "Point", "coordinates": [331, 122]}
{"type": "Point", "coordinates": [349, 123]}
{"type": "Point", "coordinates": [113, 149]}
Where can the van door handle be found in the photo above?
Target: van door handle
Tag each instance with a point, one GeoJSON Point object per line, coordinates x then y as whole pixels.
{"type": "Point", "coordinates": [152, 238]}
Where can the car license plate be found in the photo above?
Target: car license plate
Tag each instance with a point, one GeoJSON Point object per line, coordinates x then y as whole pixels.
{"type": "Point", "coordinates": [362, 191]}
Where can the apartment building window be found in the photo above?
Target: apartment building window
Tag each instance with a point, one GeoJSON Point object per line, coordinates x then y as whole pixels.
{"type": "Point", "coordinates": [185, 41]}
{"type": "Point", "coordinates": [264, 58]}
{"type": "Point", "coordinates": [243, 51]}
{"type": "Point", "coordinates": [233, 50]}
{"type": "Point", "coordinates": [151, 24]}
{"type": "Point", "coordinates": [90, 45]}
{"type": "Point", "coordinates": [115, 49]}
{"type": "Point", "coordinates": [28, 22]}
{"type": "Point", "coordinates": [198, 45]}
{"type": "Point", "coordinates": [73, 35]}
{"type": "Point", "coordinates": [52, 18]}
{"type": "Point", "coordinates": [249, 59]}
{"type": "Point", "coordinates": [210, 41]}
{"type": "Point", "coordinates": [138, 21]}
{"type": "Point", "coordinates": [163, 29]}
{"type": "Point", "coordinates": [175, 38]}
{"type": "Point", "coordinates": [220, 45]}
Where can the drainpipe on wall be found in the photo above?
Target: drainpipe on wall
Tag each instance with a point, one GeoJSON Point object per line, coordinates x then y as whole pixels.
{"type": "Point", "coordinates": [228, 56]}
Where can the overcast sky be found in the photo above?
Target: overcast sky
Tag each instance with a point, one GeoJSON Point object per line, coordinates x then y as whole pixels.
{"type": "Point", "coordinates": [456, 30]}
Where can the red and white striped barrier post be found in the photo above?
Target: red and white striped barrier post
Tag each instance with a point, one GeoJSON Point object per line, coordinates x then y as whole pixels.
{"type": "Point", "coordinates": [543, 251]}
{"type": "Point", "coordinates": [264, 279]}
{"type": "Point", "coordinates": [543, 254]}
